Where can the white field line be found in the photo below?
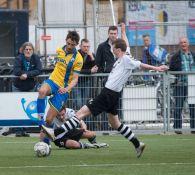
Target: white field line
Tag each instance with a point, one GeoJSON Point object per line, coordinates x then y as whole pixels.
{"type": "Point", "coordinates": [96, 165]}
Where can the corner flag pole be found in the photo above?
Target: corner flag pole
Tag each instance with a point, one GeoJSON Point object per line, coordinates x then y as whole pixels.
{"type": "Point", "coordinates": [112, 9]}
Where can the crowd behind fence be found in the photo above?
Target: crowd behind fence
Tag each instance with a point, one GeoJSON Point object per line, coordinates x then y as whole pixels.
{"type": "Point", "coordinates": [145, 104]}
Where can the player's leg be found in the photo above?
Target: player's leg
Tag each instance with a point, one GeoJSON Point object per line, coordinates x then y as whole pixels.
{"type": "Point", "coordinates": [126, 132]}
{"type": "Point", "coordinates": [48, 88]}
{"type": "Point", "coordinates": [90, 135]}
{"type": "Point", "coordinates": [72, 144]}
{"type": "Point", "coordinates": [75, 121]}
{"type": "Point", "coordinates": [51, 114]}
{"type": "Point", "coordinates": [94, 107]}
{"type": "Point", "coordinates": [71, 140]}
{"type": "Point", "coordinates": [44, 138]}
{"type": "Point", "coordinates": [56, 102]}
{"type": "Point", "coordinates": [41, 101]}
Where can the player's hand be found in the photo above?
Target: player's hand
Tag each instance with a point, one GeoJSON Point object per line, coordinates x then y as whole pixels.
{"type": "Point", "coordinates": [23, 77]}
{"type": "Point", "coordinates": [63, 90]}
{"type": "Point", "coordinates": [162, 68]}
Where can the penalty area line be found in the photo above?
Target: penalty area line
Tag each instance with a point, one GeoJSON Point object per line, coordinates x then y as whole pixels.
{"type": "Point", "coordinates": [96, 165]}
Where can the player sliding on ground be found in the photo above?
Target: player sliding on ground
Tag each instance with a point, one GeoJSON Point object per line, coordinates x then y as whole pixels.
{"type": "Point", "coordinates": [71, 139]}
{"type": "Point", "coordinates": [108, 99]}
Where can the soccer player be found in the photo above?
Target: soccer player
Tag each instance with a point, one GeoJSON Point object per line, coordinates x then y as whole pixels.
{"type": "Point", "coordinates": [108, 99]}
{"type": "Point", "coordinates": [63, 78]}
{"type": "Point", "coordinates": [71, 139]}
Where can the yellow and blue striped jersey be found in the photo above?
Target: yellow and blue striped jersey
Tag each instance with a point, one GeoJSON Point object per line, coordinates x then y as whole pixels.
{"type": "Point", "coordinates": [66, 65]}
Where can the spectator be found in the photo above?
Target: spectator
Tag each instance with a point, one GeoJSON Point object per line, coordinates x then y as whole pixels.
{"type": "Point", "coordinates": [152, 54]}
{"type": "Point", "coordinates": [27, 66]}
{"type": "Point", "coordinates": [82, 92]}
{"type": "Point", "coordinates": [104, 56]}
{"type": "Point", "coordinates": [183, 60]}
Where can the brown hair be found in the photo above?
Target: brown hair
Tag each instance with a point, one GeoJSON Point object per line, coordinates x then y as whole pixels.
{"type": "Point", "coordinates": [120, 44]}
{"type": "Point", "coordinates": [112, 28]}
{"type": "Point", "coordinates": [84, 40]}
{"type": "Point", "coordinates": [73, 35]}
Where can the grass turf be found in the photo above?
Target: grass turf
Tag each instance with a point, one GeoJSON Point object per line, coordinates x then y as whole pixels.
{"type": "Point", "coordinates": [164, 154]}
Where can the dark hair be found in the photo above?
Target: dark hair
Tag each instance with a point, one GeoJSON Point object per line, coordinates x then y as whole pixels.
{"type": "Point", "coordinates": [113, 28]}
{"type": "Point", "coordinates": [84, 40]}
{"type": "Point", "coordinates": [120, 44]}
{"type": "Point", "coordinates": [74, 36]}
{"type": "Point", "coordinates": [145, 35]}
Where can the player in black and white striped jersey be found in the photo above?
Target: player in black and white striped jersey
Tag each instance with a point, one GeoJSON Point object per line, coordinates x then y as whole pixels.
{"type": "Point", "coordinates": [71, 139]}
{"type": "Point", "coordinates": [108, 99]}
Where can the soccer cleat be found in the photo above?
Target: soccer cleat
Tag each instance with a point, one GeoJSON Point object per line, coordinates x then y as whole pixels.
{"type": "Point", "coordinates": [88, 145]}
{"type": "Point", "coordinates": [140, 149]}
{"type": "Point", "coordinates": [49, 132]}
{"type": "Point", "coordinates": [101, 145]}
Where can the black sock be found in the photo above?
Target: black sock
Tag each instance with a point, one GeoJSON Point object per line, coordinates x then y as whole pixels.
{"type": "Point", "coordinates": [128, 134]}
{"type": "Point", "coordinates": [92, 140]}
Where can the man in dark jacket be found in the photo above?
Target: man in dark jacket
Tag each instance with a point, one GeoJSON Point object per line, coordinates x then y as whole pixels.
{"type": "Point", "coordinates": [104, 56]}
{"type": "Point", "coordinates": [27, 66]}
{"type": "Point", "coordinates": [183, 60]}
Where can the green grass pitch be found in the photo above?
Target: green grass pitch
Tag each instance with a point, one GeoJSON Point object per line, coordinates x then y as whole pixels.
{"type": "Point", "coordinates": [164, 155]}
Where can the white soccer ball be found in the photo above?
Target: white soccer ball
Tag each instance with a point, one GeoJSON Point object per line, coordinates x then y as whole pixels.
{"type": "Point", "coordinates": [42, 149]}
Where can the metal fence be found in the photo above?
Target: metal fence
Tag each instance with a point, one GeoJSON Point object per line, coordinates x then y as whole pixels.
{"type": "Point", "coordinates": [149, 101]}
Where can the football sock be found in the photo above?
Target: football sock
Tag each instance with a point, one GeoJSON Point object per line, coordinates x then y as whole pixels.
{"type": "Point", "coordinates": [81, 145]}
{"type": "Point", "coordinates": [92, 140]}
{"type": "Point", "coordinates": [41, 105]}
{"type": "Point", "coordinates": [71, 123]}
{"type": "Point", "coordinates": [128, 134]}
{"type": "Point", "coordinates": [46, 140]}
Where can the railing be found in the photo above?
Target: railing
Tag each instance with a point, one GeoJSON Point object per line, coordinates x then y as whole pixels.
{"type": "Point", "coordinates": [148, 100]}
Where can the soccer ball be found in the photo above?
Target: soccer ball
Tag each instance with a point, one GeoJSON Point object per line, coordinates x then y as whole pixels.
{"type": "Point", "coordinates": [42, 149]}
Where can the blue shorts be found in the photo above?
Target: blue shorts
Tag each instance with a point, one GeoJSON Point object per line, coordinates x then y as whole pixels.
{"type": "Point", "coordinates": [56, 100]}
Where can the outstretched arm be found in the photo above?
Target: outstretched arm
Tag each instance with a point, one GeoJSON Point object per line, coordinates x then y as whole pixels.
{"type": "Point", "coordinates": [156, 68]}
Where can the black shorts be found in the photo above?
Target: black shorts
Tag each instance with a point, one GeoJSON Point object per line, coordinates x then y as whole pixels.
{"type": "Point", "coordinates": [74, 134]}
{"type": "Point", "coordinates": [106, 101]}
